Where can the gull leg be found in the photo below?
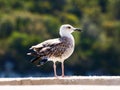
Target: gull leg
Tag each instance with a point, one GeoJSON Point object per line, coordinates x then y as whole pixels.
{"type": "Point", "coordinates": [54, 66]}
{"type": "Point", "coordinates": [62, 69]}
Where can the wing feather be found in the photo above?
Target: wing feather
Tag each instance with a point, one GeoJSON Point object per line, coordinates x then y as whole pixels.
{"type": "Point", "coordinates": [53, 47]}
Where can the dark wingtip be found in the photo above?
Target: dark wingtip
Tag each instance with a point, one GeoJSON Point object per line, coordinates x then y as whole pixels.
{"type": "Point", "coordinates": [39, 62]}
{"type": "Point", "coordinates": [43, 61]}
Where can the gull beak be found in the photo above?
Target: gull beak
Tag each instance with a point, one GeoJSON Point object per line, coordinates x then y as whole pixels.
{"type": "Point", "coordinates": [78, 29]}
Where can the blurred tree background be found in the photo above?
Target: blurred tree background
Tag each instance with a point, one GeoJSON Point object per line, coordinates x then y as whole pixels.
{"type": "Point", "coordinates": [24, 23]}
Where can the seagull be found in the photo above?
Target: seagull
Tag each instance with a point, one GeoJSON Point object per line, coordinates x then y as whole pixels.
{"type": "Point", "coordinates": [55, 50]}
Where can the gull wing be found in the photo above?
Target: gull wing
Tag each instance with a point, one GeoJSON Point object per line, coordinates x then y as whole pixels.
{"type": "Point", "coordinates": [52, 47]}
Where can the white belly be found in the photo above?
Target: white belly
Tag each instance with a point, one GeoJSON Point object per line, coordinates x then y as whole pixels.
{"type": "Point", "coordinates": [68, 53]}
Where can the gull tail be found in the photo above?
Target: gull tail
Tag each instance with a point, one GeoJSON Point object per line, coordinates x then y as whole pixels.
{"type": "Point", "coordinates": [38, 61]}
{"type": "Point", "coordinates": [35, 60]}
{"type": "Point", "coordinates": [32, 54]}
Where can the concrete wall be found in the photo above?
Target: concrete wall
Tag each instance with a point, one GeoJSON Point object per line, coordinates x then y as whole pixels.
{"type": "Point", "coordinates": [73, 80]}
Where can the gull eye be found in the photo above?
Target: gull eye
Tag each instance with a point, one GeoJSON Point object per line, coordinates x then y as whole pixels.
{"type": "Point", "coordinates": [69, 27]}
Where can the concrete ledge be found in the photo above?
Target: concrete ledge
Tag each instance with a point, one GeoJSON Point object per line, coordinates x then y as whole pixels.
{"type": "Point", "coordinates": [73, 80]}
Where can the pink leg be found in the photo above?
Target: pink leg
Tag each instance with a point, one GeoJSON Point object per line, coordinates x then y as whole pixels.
{"type": "Point", "coordinates": [54, 66]}
{"type": "Point", "coordinates": [62, 69]}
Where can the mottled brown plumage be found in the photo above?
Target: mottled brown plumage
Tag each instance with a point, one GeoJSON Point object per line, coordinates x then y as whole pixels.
{"type": "Point", "coordinates": [55, 49]}
{"type": "Point", "coordinates": [49, 49]}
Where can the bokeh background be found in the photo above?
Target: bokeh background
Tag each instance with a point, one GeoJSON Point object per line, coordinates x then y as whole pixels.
{"type": "Point", "coordinates": [24, 23]}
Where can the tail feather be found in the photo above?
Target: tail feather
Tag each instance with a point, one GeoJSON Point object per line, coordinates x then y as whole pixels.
{"type": "Point", "coordinates": [35, 60]}
{"type": "Point", "coordinates": [32, 54]}
{"type": "Point", "coordinates": [43, 61]}
{"type": "Point", "coordinates": [38, 62]}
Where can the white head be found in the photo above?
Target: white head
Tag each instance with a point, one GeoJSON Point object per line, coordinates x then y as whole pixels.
{"type": "Point", "coordinates": [67, 29]}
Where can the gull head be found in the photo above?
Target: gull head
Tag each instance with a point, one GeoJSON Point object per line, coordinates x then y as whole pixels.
{"type": "Point", "coordinates": [68, 29]}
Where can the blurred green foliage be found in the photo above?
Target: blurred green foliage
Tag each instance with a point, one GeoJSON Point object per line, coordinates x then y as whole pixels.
{"type": "Point", "coordinates": [28, 22]}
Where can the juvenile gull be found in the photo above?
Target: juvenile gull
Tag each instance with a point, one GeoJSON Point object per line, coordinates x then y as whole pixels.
{"type": "Point", "coordinates": [58, 49]}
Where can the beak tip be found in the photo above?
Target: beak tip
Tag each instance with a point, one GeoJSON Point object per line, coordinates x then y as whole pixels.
{"type": "Point", "coordinates": [79, 29]}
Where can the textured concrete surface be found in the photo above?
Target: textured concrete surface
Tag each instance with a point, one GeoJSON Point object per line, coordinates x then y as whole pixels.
{"type": "Point", "coordinates": [60, 87]}
{"type": "Point", "coordinates": [73, 80]}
